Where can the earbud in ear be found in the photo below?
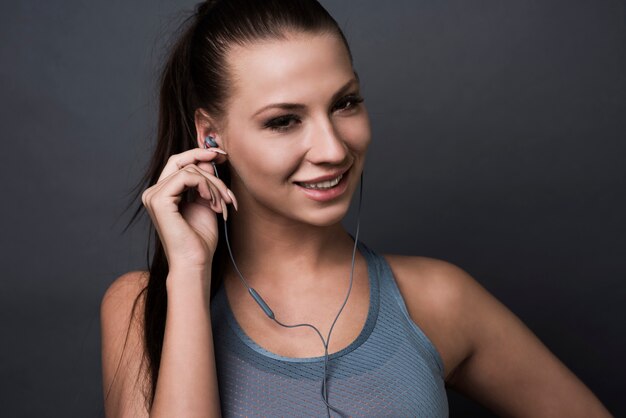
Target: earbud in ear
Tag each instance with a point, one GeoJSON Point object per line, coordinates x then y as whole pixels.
{"type": "Point", "coordinates": [209, 142]}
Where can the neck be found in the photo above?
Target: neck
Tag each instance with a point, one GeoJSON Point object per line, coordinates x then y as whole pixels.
{"type": "Point", "coordinates": [269, 250]}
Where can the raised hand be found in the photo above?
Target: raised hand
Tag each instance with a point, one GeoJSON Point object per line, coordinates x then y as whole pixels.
{"type": "Point", "coordinates": [188, 230]}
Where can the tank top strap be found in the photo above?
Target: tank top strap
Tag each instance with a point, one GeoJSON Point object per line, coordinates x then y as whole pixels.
{"type": "Point", "coordinates": [389, 290]}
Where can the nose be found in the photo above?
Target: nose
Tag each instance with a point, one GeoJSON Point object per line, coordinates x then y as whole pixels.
{"type": "Point", "coordinates": [326, 144]}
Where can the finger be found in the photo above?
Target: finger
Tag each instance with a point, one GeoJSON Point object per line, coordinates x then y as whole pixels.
{"type": "Point", "coordinates": [220, 190]}
{"type": "Point", "coordinates": [171, 188]}
{"type": "Point", "coordinates": [169, 194]}
{"type": "Point", "coordinates": [207, 166]}
{"type": "Point", "coordinates": [178, 161]}
{"type": "Point", "coordinates": [209, 198]}
{"type": "Point", "coordinates": [146, 198]}
{"type": "Point", "coordinates": [194, 169]}
{"type": "Point", "coordinates": [225, 193]}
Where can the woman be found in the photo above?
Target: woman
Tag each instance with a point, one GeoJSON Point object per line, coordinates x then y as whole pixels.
{"type": "Point", "coordinates": [260, 110]}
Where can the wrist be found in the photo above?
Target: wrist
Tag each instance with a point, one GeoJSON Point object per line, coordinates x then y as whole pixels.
{"type": "Point", "coordinates": [194, 279]}
{"type": "Point", "coordinates": [190, 269]}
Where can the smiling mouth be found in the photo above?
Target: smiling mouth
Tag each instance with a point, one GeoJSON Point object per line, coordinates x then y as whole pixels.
{"type": "Point", "coordinates": [322, 185]}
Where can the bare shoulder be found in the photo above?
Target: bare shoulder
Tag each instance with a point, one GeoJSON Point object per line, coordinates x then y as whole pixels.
{"type": "Point", "coordinates": [434, 292]}
{"type": "Point", "coordinates": [123, 291]}
{"type": "Point", "coordinates": [121, 313]}
{"type": "Point", "coordinates": [123, 301]}
{"type": "Point", "coordinates": [489, 354]}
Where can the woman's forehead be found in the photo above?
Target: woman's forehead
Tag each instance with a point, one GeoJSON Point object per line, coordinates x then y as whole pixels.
{"type": "Point", "coordinates": [285, 69]}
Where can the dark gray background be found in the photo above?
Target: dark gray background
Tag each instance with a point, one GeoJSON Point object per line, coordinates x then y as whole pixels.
{"type": "Point", "coordinates": [498, 145]}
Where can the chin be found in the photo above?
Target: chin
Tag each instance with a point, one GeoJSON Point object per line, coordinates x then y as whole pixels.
{"type": "Point", "coordinates": [328, 216]}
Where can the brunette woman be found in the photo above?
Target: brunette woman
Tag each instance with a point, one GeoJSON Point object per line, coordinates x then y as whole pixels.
{"type": "Point", "coordinates": [262, 126]}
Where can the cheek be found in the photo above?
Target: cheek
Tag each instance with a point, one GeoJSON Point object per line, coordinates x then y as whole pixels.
{"type": "Point", "coordinates": [262, 164]}
{"type": "Point", "coordinates": [356, 132]}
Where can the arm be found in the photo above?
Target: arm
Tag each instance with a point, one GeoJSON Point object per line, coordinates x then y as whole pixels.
{"type": "Point", "coordinates": [503, 365]}
{"type": "Point", "coordinates": [187, 384]}
{"type": "Point", "coordinates": [187, 380]}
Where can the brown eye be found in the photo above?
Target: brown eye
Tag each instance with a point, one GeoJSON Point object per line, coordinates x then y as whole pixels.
{"type": "Point", "coordinates": [349, 102]}
{"type": "Point", "coordinates": [281, 123]}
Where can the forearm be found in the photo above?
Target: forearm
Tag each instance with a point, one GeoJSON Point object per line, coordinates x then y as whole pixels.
{"type": "Point", "coordinates": [187, 382]}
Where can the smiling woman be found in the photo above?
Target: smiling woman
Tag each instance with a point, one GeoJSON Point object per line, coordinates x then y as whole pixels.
{"type": "Point", "coordinates": [301, 110]}
{"type": "Point", "coordinates": [265, 93]}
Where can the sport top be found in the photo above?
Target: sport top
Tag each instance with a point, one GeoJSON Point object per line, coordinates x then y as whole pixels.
{"type": "Point", "coordinates": [391, 370]}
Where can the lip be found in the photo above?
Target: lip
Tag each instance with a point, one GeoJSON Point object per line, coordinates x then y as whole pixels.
{"type": "Point", "coordinates": [330, 194]}
{"type": "Point", "coordinates": [325, 177]}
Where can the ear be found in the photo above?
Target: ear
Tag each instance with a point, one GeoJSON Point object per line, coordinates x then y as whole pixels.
{"type": "Point", "coordinates": [205, 126]}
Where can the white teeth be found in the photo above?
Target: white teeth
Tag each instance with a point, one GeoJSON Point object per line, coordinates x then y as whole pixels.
{"type": "Point", "coordinates": [322, 185]}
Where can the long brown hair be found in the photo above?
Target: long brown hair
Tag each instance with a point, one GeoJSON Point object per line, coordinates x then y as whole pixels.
{"type": "Point", "coordinates": [195, 76]}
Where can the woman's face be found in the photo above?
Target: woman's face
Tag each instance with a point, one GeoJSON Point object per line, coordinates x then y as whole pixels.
{"type": "Point", "coordinates": [295, 115]}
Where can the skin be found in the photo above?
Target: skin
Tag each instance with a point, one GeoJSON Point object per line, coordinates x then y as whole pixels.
{"type": "Point", "coordinates": [331, 133]}
{"type": "Point", "coordinates": [488, 353]}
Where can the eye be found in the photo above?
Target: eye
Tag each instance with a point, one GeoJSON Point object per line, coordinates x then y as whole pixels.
{"type": "Point", "coordinates": [282, 123]}
{"type": "Point", "coordinates": [348, 102]}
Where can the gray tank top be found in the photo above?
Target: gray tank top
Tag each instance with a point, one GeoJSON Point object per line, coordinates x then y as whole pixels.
{"type": "Point", "coordinates": [391, 370]}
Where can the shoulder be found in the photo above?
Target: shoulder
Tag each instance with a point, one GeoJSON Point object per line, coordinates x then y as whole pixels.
{"type": "Point", "coordinates": [437, 295]}
{"type": "Point", "coordinates": [121, 309]}
{"type": "Point", "coordinates": [121, 326]}
{"type": "Point", "coordinates": [124, 289]}
{"type": "Point", "coordinates": [122, 298]}
{"type": "Point", "coordinates": [443, 281]}
{"type": "Point", "coordinates": [489, 354]}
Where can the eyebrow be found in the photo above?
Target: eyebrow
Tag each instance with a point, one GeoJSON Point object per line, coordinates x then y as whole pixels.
{"type": "Point", "coordinates": [298, 106]}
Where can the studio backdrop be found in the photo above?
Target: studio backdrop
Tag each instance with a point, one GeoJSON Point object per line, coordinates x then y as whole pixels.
{"type": "Point", "coordinates": [499, 140]}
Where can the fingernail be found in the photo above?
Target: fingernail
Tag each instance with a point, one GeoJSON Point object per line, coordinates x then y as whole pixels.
{"type": "Point", "coordinates": [224, 210]}
{"type": "Point", "coordinates": [219, 151]}
{"type": "Point", "coordinates": [232, 196]}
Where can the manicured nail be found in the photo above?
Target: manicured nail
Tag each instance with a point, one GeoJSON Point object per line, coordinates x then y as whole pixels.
{"type": "Point", "coordinates": [219, 151]}
{"type": "Point", "coordinates": [224, 210]}
{"type": "Point", "coordinates": [232, 196]}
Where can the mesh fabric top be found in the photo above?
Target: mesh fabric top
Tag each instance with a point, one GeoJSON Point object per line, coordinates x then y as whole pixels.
{"type": "Point", "coordinates": [391, 370]}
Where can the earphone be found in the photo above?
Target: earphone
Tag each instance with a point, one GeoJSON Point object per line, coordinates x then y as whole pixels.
{"type": "Point", "coordinates": [209, 142]}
